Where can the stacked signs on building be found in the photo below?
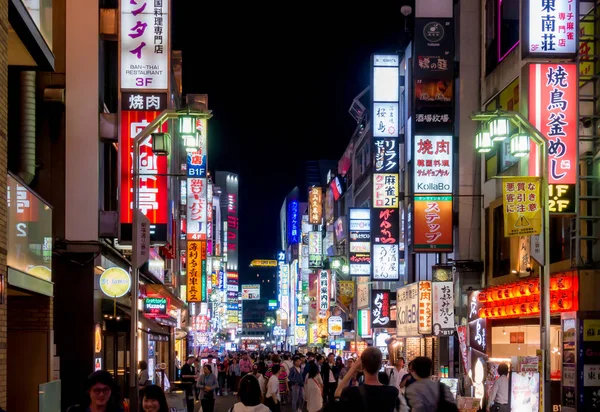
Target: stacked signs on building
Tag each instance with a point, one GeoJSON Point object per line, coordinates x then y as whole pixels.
{"type": "Point", "coordinates": [554, 114]}
{"type": "Point", "coordinates": [432, 147]}
{"type": "Point", "coordinates": [293, 221]}
{"type": "Point", "coordinates": [283, 285]}
{"type": "Point", "coordinates": [144, 83]}
{"type": "Point", "coordinates": [414, 309]}
{"type": "Point", "coordinates": [380, 309]}
{"type": "Point", "coordinates": [385, 221]}
{"type": "Point", "coordinates": [315, 206]}
{"type": "Point", "coordinates": [360, 242]}
{"type": "Point", "coordinates": [196, 271]}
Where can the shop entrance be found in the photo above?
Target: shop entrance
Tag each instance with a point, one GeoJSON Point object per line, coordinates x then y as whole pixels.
{"type": "Point", "coordinates": [116, 358]}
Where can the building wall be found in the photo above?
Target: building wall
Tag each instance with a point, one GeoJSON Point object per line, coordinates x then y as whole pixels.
{"type": "Point", "coordinates": [3, 205]}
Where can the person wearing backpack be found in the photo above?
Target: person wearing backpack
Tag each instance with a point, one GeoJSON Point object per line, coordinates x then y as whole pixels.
{"type": "Point", "coordinates": [425, 395]}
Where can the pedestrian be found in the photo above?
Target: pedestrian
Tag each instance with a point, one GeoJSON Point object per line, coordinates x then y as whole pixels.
{"type": "Point", "coordinates": [499, 394]}
{"type": "Point", "coordinates": [425, 395]}
{"type": "Point", "coordinates": [207, 383]}
{"type": "Point", "coordinates": [272, 398]}
{"type": "Point", "coordinates": [233, 375]}
{"type": "Point", "coordinates": [153, 399]}
{"type": "Point", "coordinates": [261, 379]}
{"type": "Point", "coordinates": [250, 396]}
{"type": "Point", "coordinates": [100, 394]}
{"type": "Point", "coordinates": [245, 365]}
{"type": "Point", "coordinates": [314, 389]}
{"type": "Point", "coordinates": [378, 397]}
{"type": "Point", "coordinates": [221, 376]}
{"type": "Point", "coordinates": [329, 373]}
{"type": "Point", "coordinates": [407, 379]}
{"type": "Point", "coordinates": [397, 373]}
{"type": "Point", "coordinates": [143, 377]}
{"type": "Point", "coordinates": [296, 384]}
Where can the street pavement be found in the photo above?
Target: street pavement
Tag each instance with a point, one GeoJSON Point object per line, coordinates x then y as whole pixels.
{"type": "Point", "coordinates": [223, 403]}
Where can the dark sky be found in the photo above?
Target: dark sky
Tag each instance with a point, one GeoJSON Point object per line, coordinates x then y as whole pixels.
{"type": "Point", "coordinates": [280, 82]}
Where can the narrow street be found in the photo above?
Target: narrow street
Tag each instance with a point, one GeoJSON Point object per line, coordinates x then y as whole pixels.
{"type": "Point", "coordinates": [223, 404]}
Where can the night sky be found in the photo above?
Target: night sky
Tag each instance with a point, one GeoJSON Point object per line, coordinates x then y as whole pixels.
{"type": "Point", "coordinates": [280, 83]}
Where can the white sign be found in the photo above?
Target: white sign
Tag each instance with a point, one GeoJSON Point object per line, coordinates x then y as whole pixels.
{"type": "Point", "coordinates": [385, 84]}
{"type": "Point", "coordinates": [591, 375]}
{"type": "Point", "coordinates": [145, 44]}
{"type": "Point", "coordinates": [443, 308]}
{"type": "Point", "coordinates": [385, 262]}
{"type": "Point", "coordinates": [407, 311]}
{"type": "Point", "coordinates": [335, 325]}
{"type": "Point", "coordinates": [433, 164]}
{"type": "Point", "coordinates": [385, 119]}
{"type": "Point", "coordinates": [362, 295]}
{"type": "Point", "coordinates": [250, 292]}
{"type": "Point", "coordinates": [537, 247]}
{"type": "Point", "coordinates": [323, 289]}
{"type": "Point", "coordinates": [552, 27]}
{"type": "Point", "coordinates": [358, 247]}
{"type": "Point", "coordinates": [142, 252]}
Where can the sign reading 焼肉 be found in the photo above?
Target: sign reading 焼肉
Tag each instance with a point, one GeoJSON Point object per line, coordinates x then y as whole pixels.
{"type": "Point", "coordinates": [433, 164]}
{"type": "Point", "coordinates": [522, 207]}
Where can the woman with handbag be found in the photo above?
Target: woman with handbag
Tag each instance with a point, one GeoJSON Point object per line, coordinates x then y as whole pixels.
{"type": "Point", "coordinates": [207, 383]}
{"type": "Point", "coordinates": [313, 391]}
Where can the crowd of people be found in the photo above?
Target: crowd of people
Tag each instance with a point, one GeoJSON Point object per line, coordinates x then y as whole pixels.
{"type": "Point", "coordinates": [308, 382]}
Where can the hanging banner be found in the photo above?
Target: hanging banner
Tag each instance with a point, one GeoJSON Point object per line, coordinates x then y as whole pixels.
{"type": "Point", "coordinates": [521, 202]}
{"type": "Point", "coordinates": [433, 224]}
{"type": "Point", "coordinates": [425, 307]}
{"type": "Point", "coordinates": [380, 308]}
{"type": "Point", "coordinates": [461, 331]}
{"type": "Point", "coordinates": [443, 308]}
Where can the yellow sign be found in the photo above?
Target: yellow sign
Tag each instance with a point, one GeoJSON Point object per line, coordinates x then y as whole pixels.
{"type": "Point", "coordinates": [591, 330]}
{"type": "Point", "coordinates": [97, 338]}
{"type": "Point", "coordinates": [263, 263]}
{"type": "Point", "coordinates": [522, 207]}
{"type": "Point", "coordinates": [346, 291]}
{"type": "Point", "coordinates": [194, 271]}
{"type": "Point", "coordinates": [385, 190]}
{"type": "Point", "coordinates": [41, 272]}
{"type": "Point", "coordinates": [115, 282]}
{"type": "Point", "coordinates": [586, 51]}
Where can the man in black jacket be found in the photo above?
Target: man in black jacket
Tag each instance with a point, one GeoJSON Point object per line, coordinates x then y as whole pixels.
{"type": "Point", "coordinates": [329, 373]}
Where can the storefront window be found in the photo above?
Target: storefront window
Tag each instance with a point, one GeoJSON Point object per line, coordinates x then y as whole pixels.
{"type": "Point", "coordinates": [501, 245]}
{"type": "Point", "coordinates": [501, 30]}
{"type": "Point", "coordinates": [560, 238]}
{"type": "Point", "coordinates": [41, 13]}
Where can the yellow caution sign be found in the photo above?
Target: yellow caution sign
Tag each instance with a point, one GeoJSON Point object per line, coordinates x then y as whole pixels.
{"type": "Point", "coordinates": [522, 206]}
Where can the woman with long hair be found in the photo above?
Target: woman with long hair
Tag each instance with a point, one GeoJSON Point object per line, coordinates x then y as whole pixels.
{"type": "Point", "coordinates": [313, 391]}
{"type": "Point", "coordinates": [250, 396]}
{"type": "Point", "coordinates": [153, 399]}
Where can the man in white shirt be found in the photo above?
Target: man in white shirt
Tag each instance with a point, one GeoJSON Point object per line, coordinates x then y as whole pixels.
{"type": "Point", "coordinates": [397, 373]}
{"type": "Point", "coordinates": [272, 396]}
{"type": "Point", "coordinates": [499, 395]}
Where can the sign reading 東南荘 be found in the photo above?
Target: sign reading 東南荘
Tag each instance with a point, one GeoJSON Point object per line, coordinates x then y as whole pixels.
{"type": "Point", "coordinates": [549, 28]}
{"type": "Point", "coordinates": [522, 207]}
{"type": "Point", "coordinates": [156, 307]}
{"type": "Point", "coordinates": [433, 164]}
{"type": "Point", "coordinates": [115, 282]}
{"type": "Point", "coordinates": [144, 41]}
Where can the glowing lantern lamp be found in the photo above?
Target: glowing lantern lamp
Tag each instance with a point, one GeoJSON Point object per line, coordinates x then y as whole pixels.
{"type": "Point", "coordinates": [519, 145]}
{"type": "Point", "coordinates": [161, 144]}
{"type": "Point", "coordinates": [188, 132]}
{"type": "Point", "coordinates": [499, 129]}
{"type": "Point", "coordinates": [483, 141]}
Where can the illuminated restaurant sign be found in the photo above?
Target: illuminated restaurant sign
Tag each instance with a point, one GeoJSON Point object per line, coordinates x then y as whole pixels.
{"type": "Point", "coordinates": [360, 234]}
{"type": "Point", "coordinates": [380, 308]}
{"type": "Point", "coordinates": [385, 232]}
{"type": "Point", "coordinates": [156, 307]}
{"type": "Point", "coordinates": [433, 224]}
{"type": "Point", "coordinates": [315, 206]}
{"type": "Point", "coordinates": [433, 164]}
{"type": "Point", "coordinates": [196, 271]}
{"type": "Point", "coordinates": [425, 307]}
{"type": "Point", "coordinates": [549, 28]}
{"type": "Point", "coordinates": [522, 298]}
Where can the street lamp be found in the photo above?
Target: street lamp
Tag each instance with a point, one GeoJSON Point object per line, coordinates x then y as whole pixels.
{"type": "Point", "coordinates": [483, 141]}
{"type": "Point", "coordinates": [150, 129]}
{"type": "Point", "coordinates": [499, 128]}
{"type": "Point", "coordinates": [519, 146]}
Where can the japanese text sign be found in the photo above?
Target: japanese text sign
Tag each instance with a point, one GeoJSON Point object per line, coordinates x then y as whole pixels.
{"type": "Point", "coordinates": [364, 325]}
{"type": "Point", "coordinates": [461, 331]}
{"type": "Point", "coordinates": [425, 307]}
{"type": "Point", "coordinates": [194, 270]}
{"type": "Point", "coordinates": [196, 208]}
{"type": "Point", "coordinates": [553, 102]}
{"type": "Point", "coordinates": [385, 262]}
{"type": "Point", "coordinates": [385, 190]}
{"type": "Point", "coordinates": [153, 191]}
{"type": "Point", "coordinates": [432, 224]}
{"type": "Point", "coordinates": [443, 308]}
{"type": "Point", "coordinates": [561, 199]}
{"type": "Point", "coordinates": [360, 242]}
{"type": "Point", "coordinates": [315, 206]}
{"type": "Point", "coordinates": [522, 206]}
{"type": "Point", "coordinates": [250, 292]}
{"type": "Point", "coordinates": [315, 250]}
{"type": "Point", "coordinates": [323, 291]}
{"type": "Point", "coordinates": [407, 320]}
{"type": "Point", "coordinates": [386, 119]}
{"type": "Point", "coordinates": [144, 41]}
{"type": "Point", "coordinates": [196, 160]}
{"type": "Point", "coordinates": [380, 308]}
{"type": "Point", "coordinates": [433, 164]}
{"type": "Point", "coordinates": [385, 226]}
{"type": "Point", "coordinates": [293, 223]}
{"type": "Point", "coordinates": [144, 101]}
{"type": "Point", "coordinates": [550, 28]}
{"type": "Point", "coordinates": [386, 155]}
{"type": "Point", "coordinates": [478, 335]}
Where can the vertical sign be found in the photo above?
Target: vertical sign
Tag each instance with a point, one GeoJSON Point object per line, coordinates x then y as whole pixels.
{"type": "Point", "coordinates": [385, 95]}
{"type": "Point", "coordinates": [432, 224]}
{"type": "Point", "coordinates": [385, 232]}
{"type": "Point", "coordinates": [144, 41]}
{"type": "Point", "coordinates": [283, 283]}
{"type": "Point", "coordinates": [142, 254]}
{"type": "Point", "coordinates": [433, 164]}
{"type": "Point", "coordinates": [315, 250]}
{"type": "Point", "coordinates": [293, 223]}
{"type": "Point", "coordinates": [315, 206]}
{"type": "Point", "coordinates": [194, 272]}
{"type": "Point", "coordinates": [407, 319]}
{"type": "Point", "coordinates": [196, 208]}
{"type": "Point", "coordinates": [549, 29]}
{"type": "Point", "coordinates": [360, 242]}
{"type": "Point", "coordinates": [433, 76]}
{"type": "Point", "coordinates": [323, 289]}
{"type": "Point", "coordinates": [443, 308]}
{"type": "Point", "coordinates": [380, 308]}
{"type": "Point", "coordinates": [137, 111]}
{"type": "Point", "coordinates": [197, 159]}
{"type": "Point", "coordinates": [425, 307]}
{"type": "Point", "coordinates": [385, 190]}
{"type": "Point", "coordinates": [553, 102]}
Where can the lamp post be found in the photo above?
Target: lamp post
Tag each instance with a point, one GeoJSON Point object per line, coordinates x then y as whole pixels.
{"type": "Point", "coordinates": [520, 147]}
{"type": "Point", "coordinates": [150, 129]}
